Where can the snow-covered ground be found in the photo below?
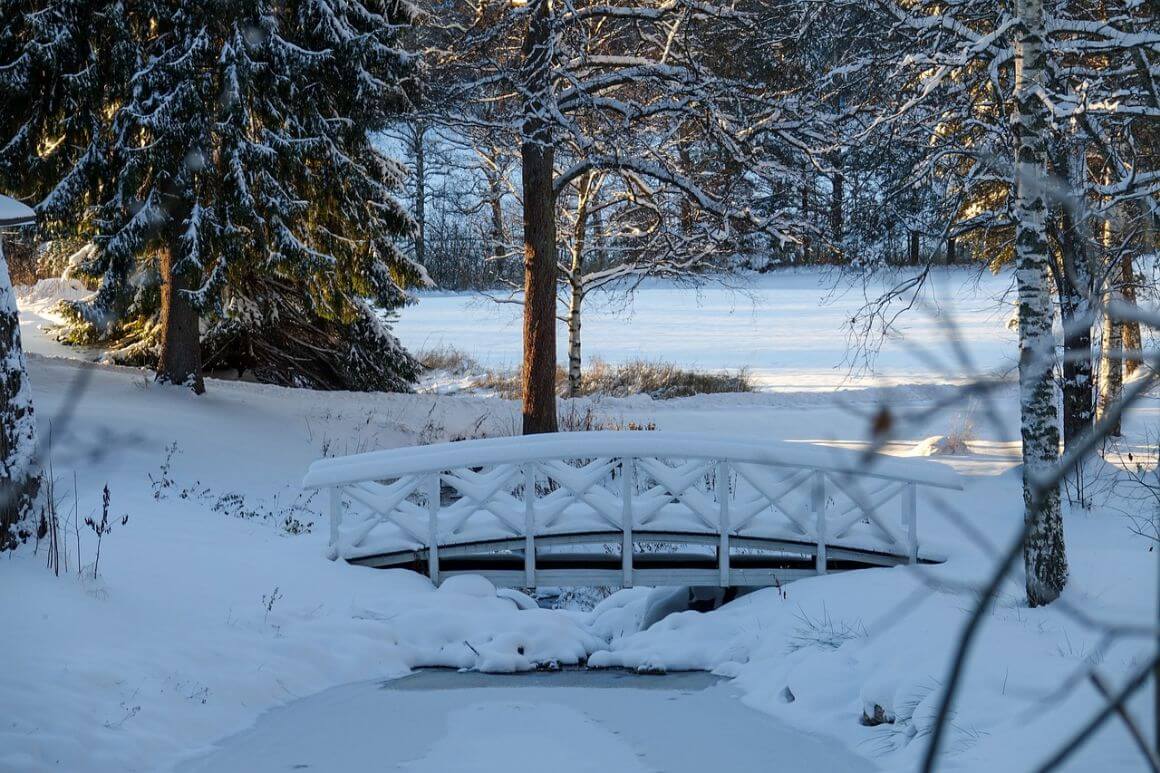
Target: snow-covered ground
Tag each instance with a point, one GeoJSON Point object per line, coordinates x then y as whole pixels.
{"type": "Point", "coordinates": [788, 328]}
{"type": "Point", "coordinates": [213, 603]}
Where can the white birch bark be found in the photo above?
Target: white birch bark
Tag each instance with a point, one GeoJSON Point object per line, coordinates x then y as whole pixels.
{"type": "Point", "coordinates": [1043, 552]}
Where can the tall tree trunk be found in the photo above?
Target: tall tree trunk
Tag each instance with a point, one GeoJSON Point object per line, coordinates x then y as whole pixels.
{"type": "Point", "coordinates": [952, 255]}
{"type": "Point", "coordinates": [1074, 286]}
{"type": "Point", "coordinates": [1132, 339]}
{"type": "Point", "coordinates": [575, 374]}
{"type": "Point", "coordinates": [498, 228]}
{"type": "Point", "coordinates": [180, 360]}
{"type": "Point", "coordinates": [806, 219]}
{"type": "Point", "coordinates": [1044, 555]}
{"type": "Point", "coordinates": [1111, 364]}
{"type": "Point", "coordinates": [19, 465]}
{"type": "Point", "coordinates": [419, 152]}
{"type": "Point", "coordinates": [837, 215]}
{"type": "Point", "coordinates": [539, 368]}
{"type": "Point", "coordinates": [684, 137]}
{"type": "Point", "coordinates": [576, 282]}
{"type": "Point", "coordinates": [1111, 338]}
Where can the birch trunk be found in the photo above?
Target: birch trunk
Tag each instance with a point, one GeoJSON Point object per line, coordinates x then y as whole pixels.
{"type": "Point", "coordinates": [575, 374]}
{"type": "Point", "coordinates": [576, 283]}
{"type": "Point", "coordinates": [419, 152]}
{"type": "Point", "coordinates": [1131, 336]}
{"type": "Point", "coordinates": [539, 367]}
{"type": "Point", "coordinates": [1111, 364]}
{"type": "Point", "coordinates": [19, 469]}
{"type": "Point", "coordinates": [1044, 557]}
{"type": "Point", "coordinates": [498, 229]}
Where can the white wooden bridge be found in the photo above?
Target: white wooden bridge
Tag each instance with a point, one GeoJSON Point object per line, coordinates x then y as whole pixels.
{"type": "Point", "coordinates": [625, 508]}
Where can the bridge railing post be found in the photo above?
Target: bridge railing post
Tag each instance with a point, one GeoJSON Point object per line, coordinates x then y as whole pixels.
{"type": "Point", "coordinates": [335, 520]}
{"type": "Point", "coordinates": [818, 505]}
{"type": "Point", "coordinates": [433, 495]}
{"type": "Point", "coordinates": [910, 520]}
{"type": "Point", "coordinates": [628, 485]}
{"type": "Point", "coordinates": [721, 484]}
{"type": "Point", "coordinates": [530, 524]}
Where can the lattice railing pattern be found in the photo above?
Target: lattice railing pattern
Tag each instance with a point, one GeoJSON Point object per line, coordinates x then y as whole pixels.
{"type": "Point", "coordinates": [743, 494]}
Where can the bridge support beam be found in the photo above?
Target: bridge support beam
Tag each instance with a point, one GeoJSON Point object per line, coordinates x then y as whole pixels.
{"type": "Point", "coordinates": [628, 486]}
{"type": "Point", "coordinates": [818, 505]}
{"type": "Point", "coordinates": [335, 520]}
{"type": "Point", "coordinates": [433, 495]}
{"type": "Point", "coordinates": [910, 520]}
{"type": "Point", "coordinates": [530, 524]}
{"type": "Point", "coordinates": [723, 526]}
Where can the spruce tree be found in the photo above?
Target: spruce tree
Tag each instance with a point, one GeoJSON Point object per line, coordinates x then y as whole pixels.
{"type": "Point", "coordinates": [243, 211]}
{"type": "Point", "coordinates": [61, 65]}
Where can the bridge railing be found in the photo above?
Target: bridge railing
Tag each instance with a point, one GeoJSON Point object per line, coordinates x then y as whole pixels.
{"type": "Point", "coordinates": [513, 492]}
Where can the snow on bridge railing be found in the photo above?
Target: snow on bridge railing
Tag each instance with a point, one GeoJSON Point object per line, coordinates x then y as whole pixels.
{"type": "Point", "coordinates": [511, 492]}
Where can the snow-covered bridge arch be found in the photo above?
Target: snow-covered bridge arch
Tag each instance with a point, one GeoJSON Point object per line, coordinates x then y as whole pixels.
{"type": "Point", "coordinates": [625, 508]}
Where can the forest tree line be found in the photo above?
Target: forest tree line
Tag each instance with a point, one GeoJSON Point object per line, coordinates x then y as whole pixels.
{"type": "Point", "coordinates": [248, 185]}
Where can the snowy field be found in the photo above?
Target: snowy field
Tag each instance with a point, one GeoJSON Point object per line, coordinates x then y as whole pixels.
{"type": "Point", "coordinates": [787, 328]}
{"type": "Point", "coordinates": [213, 604]}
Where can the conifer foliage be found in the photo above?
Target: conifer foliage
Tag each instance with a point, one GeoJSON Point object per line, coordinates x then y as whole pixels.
{"type": "Point", "coordinates": [241, 211]}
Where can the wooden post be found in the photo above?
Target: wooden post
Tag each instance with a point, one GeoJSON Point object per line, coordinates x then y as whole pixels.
{"type": "Point", "coordinates": [433, 527]}
{"type": "Point", "coordinates": [530, 524]}
{"type": "Point", "coordinates": [627, 484]}
{"type": "Point", "coordinates": [818, 504]}
{"type": "Point", "coordinates": [722, 486]}
{"type": "Point", "coordinates": [335, 520]}
{"type": "Point", "coordinates": [910, 518]}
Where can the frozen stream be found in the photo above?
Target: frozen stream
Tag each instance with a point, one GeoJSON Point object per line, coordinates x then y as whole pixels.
{"type": "Point", "coordinates": [587, 722]}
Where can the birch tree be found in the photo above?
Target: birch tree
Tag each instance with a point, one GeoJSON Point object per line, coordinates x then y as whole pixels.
{"type": "Point", "coordinates": [1044, 557]}
{"type": "Point", "coordinates": [1030, 118]}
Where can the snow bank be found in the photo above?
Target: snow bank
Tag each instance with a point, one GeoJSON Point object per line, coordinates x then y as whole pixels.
{"type": "Point", "coordinates": [48, 292]}
{"type": "Point", "coordinates": [210, 606]}
{"type": "Point", "coordinates": [874, 647]}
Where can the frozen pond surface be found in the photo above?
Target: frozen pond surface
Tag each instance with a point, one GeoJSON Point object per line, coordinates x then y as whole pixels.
{"type": "Point", "coordinates": [789, 328]}
{"type": "Point", "coordinates": [566, 722]}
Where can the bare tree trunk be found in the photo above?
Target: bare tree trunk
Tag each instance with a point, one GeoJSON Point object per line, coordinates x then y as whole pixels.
{"type": "Point", "coordinates": [575, 375]}
{"type": "Point", "coordinates": [1077, 363]}
{"type": "Point", "coordinates": [837, 216]}
{"type": "Point", "coordinates": [806, 218]}
{"type": "Point", "coordinates": [418, 151]}
{"type": "Point", "coordinates": [180, 360]}
{"type": "Point", "coordinates": [1044, 555]}
{"type": "Point", "coordinates": [539, 368]}
{"type": "Point", "coordinates": [19, 466]}
{"type": "Point", "coordinates": [1111, 367]}
{"type": "Point", "coordinates": [951, 251]}
{"type": "Point", "coordinates": [915, 249]}
{"type": "Point", "coordinates": [498, 229]}
{"type": "Point", "coordinates": [686, 158]}
{"type": "Point", "coordinates": [576, 283]}
{"type": "Point", "coordinates": [1132, 339]}
{"type": "Point", "coordinates": [1074, 286]}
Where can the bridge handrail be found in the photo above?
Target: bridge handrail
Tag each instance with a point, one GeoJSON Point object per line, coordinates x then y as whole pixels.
{"type": "Point", "coordinates": [396, 462]}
